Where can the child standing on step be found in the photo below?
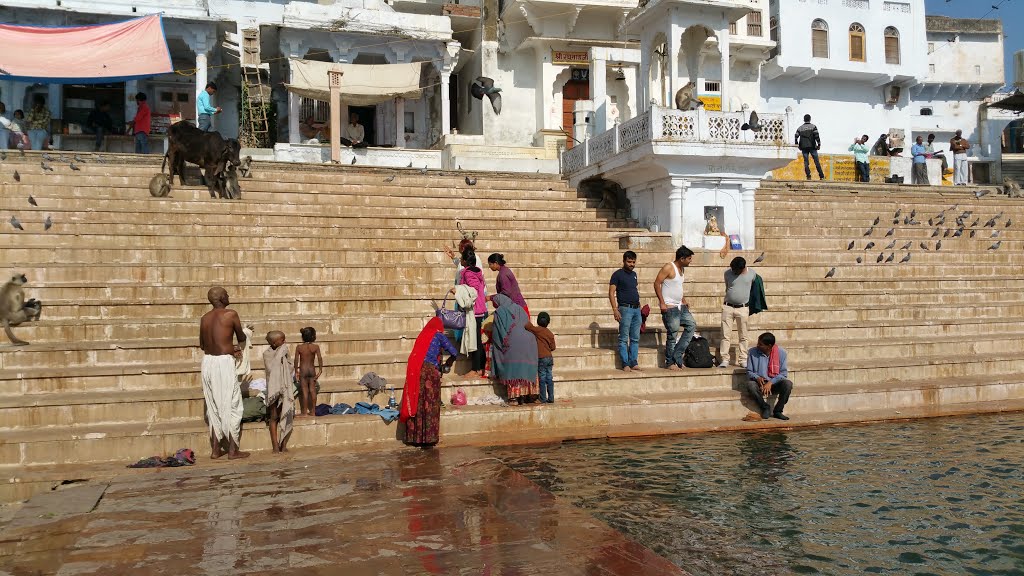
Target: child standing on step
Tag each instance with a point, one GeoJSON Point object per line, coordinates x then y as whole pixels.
{"type": "Point", "coordinates": [309, 365]}
{"type": "Point", "coordinates": [280, 399]}
{"type": "Point", "coordinates": [545, 360]}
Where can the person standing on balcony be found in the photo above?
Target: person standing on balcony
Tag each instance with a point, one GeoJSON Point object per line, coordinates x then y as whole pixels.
{"type": "Point", "coordinates": [142, 124]}
{"type": "Point", "coordinates": [959, 147]}
{"type": "Point", "coordinates": [223, 396]}
{"type": "Point", "coordinates": [624, 297]}
{"type": "Point", "coordinates": [809, 142]}
{"type": "Point", "coordinates": [38, 123]}
{"type": "Point", "coordinates": [675, 310]}
{"type": "Point", "coordinates": [920, 154]}
{"type": "Point", "coordinates": [100, 123]}
{"type": "Point", "coordinates": [860, 158]}
{"type": "Point", "coordinates": [205, 109]}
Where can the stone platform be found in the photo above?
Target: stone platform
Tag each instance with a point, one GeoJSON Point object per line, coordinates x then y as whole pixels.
{"type": "Point", "coordinates": [413, 512]}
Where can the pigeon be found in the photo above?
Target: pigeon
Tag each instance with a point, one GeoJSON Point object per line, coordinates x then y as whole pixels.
{"type": "Point", "coordinates": [869, 246]}
{"type": "Point", "coordinates": [22, 150]}
{"type": "Point", "coordinates": [850, 246]}
{"type": "Point", "coordinates": [859, 259]}
{"type": "Point", "coordinates": [3, 155]}
{"type": "Point", "coordinates": [906, 220]}
{"type": "Point", "coordinates": [831, 272]}
{"type": "Point", "coordinates": [459, 167]}
{"type": "Point", "coordinates": [913, 213]}
{"type": "Point", "coordinates": [870, 231]}
{"type": "Point", "coordinates": [17, 177]}
{"type": "Point", "coordinates": [410, 164]}
{"type": "Point", "coordinates": [915, 223]}
{"type": "Point", "coordinates": [470, 181]}
{"type": "Point", "coordinates": [1008, 222]}
{"type": "Point", "coordinates": [47, 157]}
{"type": "Point", "coordinates": [79, 159]}
{"type": "Point", "coordinates": [905, 258]}
{"type": "Point", "coordinates": [947, 233]}
{"type": "Point", "coordinates": [880, 257]}
{"type": "Point", "coordinates": [995, 234]}
{"type": "Point", "coordinates": [759, 258]}
{"type": "Point", "coordinates": [931, 222]}
{"type": "Point", "coordinates": [423, 170]}
{"type": "Point", "coordinates": [972, 233]}
{"type": "Point", "coordinates": [980, 193]}
{"type": "Point", "coordinates": [754, 124]}
{"type": "Point", "coordinates": [353, 160]}
{"type": "Point", "coordinates": [484, 86]}
{"type": "Point", "coordinates": [895, 221]}
{"type": "Point", "coordinates": [938, 245]}
{"type": "Point", "coordinates": [877, 220]}
{"type": "Point", "coordinates": [32, 201]}
{"type": "Point", "coordinates": [898, 212]}
{"type": "Point", "coordinates": [48, 223]}
{"type": "Point", "coordinates": [935, 233]}
{"type": "Point", "coordinates": [892, 256]}
{"type": "Point", "coordinates": [76, 168]}
{"type": "Point", "coordinates": [890, 232]}
{"type": "Point", "coordinates": [996, 245]}
{"type": "Point", "coordinates": [923, 246]}
{"type": "Point", "coordinates": [959, 232]}
{"type": "Point", "coordinates": [390, 178]}
{"type": "Point", "coordinates": [14, 222]}
{"type": "Point", "coordinates": [891, 244]}
{"type": "Point", "coordinates": [907, 245]}
{"type": "Point", "coordinates": [46, 166]}
{"type": "Point", "coordinates": [991, 222]}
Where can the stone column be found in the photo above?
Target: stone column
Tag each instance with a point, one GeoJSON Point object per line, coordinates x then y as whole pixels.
{"type": "Point", "coordinates": [545, 88]}
{"type": "Point", "coordinates": [201, 79]}
{"type": "Point", "coordinates": [673, 45]}
{"type": "Point", "coordinates": [749, 193]}
{"type": "Point", "coordinates": [723, 47]}
{"type": "Point", "coordinates": [399, 122]}
{"type": "Point", "coordinates": [334, 81]}
{"type": "Point", "coordinates": [676, 187]}
{"type": "Point", "coordinates": [131, 88]}
{"type": "Point", "coordinates": [643, 80]}
{"type": "Point", "coordinates": [599, 93]}
{"type": "Point", "coordinates": [446, 106]}
{"type": "Point", "coordinates": [294, 102]}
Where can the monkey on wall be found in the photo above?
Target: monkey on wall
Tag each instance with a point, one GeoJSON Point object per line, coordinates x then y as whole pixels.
{"type": "Point", "coordinates": [14, 310]}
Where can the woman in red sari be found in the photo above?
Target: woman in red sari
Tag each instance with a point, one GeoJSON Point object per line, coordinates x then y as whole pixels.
{"type": "Point", "coordinates": [421, 397]}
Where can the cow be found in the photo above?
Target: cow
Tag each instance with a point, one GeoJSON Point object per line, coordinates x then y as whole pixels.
{"type": "Point", "coordinates": [208, 150]}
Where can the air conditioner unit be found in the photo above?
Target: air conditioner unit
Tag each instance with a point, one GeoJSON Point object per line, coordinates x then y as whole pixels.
{"type": "Point", "coordinates": [892, 94]}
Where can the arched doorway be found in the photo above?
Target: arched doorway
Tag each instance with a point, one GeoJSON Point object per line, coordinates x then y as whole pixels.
{"type": "Point", "coordinates": [577, 87]}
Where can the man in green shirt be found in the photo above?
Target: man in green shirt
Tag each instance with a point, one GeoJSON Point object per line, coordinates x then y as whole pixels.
{"type": "Point", "coordinates": [860, 158]}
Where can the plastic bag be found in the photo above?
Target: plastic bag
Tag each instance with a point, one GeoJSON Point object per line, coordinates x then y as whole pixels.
{"type": "Point", "coordinates": [459, 398]}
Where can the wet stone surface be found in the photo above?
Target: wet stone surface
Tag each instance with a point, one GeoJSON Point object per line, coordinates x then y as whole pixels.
{"type": "Point", "coordinates": [401, 513]}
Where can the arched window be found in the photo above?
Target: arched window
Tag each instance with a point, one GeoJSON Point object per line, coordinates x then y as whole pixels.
{"type": "Point", "coordinates": [892, 45]}
{"type": "Point", "coordinates": [819, 39]}
{"type": "Point", "coordinates": [857, 50]}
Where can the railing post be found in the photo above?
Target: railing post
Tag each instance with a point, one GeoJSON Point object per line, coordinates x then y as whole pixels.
{"type": "Point", "coordinates": [586, 152]}
{"type": "Point", "coordinates": [655, 123]}
{"type": "Point", "coordinates": [615, 139]}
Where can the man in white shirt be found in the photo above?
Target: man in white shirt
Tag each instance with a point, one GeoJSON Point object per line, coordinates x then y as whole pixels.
{"type": "Point", "coordinates": [352, 134]}
{"type": "Point", "coordinates": [675, 310]}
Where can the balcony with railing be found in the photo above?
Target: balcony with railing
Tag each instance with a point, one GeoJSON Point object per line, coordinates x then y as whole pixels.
{"type": "Point", "coordinates": [668, 126]}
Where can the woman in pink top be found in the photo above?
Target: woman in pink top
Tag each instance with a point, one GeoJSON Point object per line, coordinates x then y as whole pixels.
{"type": "Point", "coordinates": [472, 276]}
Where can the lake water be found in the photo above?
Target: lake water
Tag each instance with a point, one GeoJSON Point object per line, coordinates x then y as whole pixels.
{"type": "Point", "coordinates": [929, 497]}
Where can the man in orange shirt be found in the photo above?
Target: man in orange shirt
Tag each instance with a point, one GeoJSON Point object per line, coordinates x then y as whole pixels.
{"type": "Point", "coordinates": [141, 124]}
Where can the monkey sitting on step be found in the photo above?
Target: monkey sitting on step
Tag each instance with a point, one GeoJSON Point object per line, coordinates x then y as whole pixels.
{"type": "Point", "coordinates": [13, 308]}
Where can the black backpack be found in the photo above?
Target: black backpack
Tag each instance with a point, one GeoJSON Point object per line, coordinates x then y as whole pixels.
{"type": "Point", "coordinates": [698, 354]}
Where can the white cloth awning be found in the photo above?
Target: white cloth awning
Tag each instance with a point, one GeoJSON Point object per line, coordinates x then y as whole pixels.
{"type": "Point", "coordinates": [361, 84]}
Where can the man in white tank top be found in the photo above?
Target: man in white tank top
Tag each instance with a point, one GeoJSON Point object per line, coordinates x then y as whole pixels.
{"type": "Point", "coordinates": [675, 311]}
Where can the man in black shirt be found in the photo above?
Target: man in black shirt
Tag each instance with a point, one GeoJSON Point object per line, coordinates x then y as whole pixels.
{"type": "Point", "coordinates": [625, 300]}
{"type": "Point", "coordinates": [809, 141]}
{"type": "Point", "coordinates": [100, 123]}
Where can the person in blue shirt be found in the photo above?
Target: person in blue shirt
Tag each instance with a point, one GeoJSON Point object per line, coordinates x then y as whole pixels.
{"type": "Point", "coordinates": [768, 374]}
{"type": "Point", "coordinates": [860, 158]}
{"type": "Point", "coordinates": [624, 297]}
{"type": "Point", "coordinates": [920, 153]}
{"type": "Point", "coordinates": [206, 111]}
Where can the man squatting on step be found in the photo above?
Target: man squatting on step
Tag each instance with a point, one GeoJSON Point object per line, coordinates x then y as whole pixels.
{"type": "Point", "coordinates": [768, 374]}
{"type": "Point", "coordinates": [220, 384]}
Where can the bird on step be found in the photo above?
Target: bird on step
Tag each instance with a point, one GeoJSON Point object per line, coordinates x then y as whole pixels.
{"type": "Point", "coordinates": [46, 166]}
{"type": "Point", "coordinates": [905, 258]}
{"type": "Point", "coordinates": [32, 201]}
{"type": "Point", "coordinates": [831, 272]}
{"type": "Point", "coordinates": [892, 256]}
{"type": "Point", "coordinates": [869, 246]}
{"type": "Point", "coordinates": [996, 245]}
{"type": "Point", "coordinates": [891, 244]}
{"type": "Point", "coordinates": [14, 222]}
{"type": "Point", "coordinates": [759, 258]}
{"type": "Point", "coordinates": [470, 181]}
{"type": "Point", "coordinates": [850, 246]}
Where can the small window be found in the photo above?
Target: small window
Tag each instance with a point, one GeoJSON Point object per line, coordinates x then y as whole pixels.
{"type": "Point", "coordinates": [182, 96]}
{"type": "Point", "coordinates": [931, 68]}
{"type": "Point", "coordinates": [773, 28]}
{"type": "Point", "coordinates": [931, 47]}
{"type": "Point", "coordinates": [410, 122]}
{"type": "Point", "coordinates": [167, 96]}
{"type": "Point", "coordinates": [892, 45]}
{"type": "Point", "coordinates": [712, 86]}
{"type": "Point", "coordinates": [926, 111]}
{"type": "Point", "coordinates": [754, 24]}
{"type": "Point", "coordinates": [819, 39]}
{"type": "Point", "coordinates": [732, 28]}
{"type": "Point", "coordinates": [977, 70]}
{"type": "Point", "coordinates": [857, 49]}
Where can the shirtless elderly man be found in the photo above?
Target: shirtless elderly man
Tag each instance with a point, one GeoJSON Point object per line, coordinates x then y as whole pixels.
{"type": "Point", "coordinates": [220, 384]}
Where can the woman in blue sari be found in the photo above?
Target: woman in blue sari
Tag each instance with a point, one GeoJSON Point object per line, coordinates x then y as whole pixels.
{"type": "Point", "coordinates": [514, 350]}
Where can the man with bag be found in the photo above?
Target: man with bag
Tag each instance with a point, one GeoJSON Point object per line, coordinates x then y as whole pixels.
{"type": "Point", "coordinates": [809, 142]}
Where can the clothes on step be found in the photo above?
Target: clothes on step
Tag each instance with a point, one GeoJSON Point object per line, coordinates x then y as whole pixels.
{"type": "Point", "coordinates": [223, 397]}
{"type": "Point", "coordinates": [183, 457]}
{"type": "Point", "coordinates": [278, 365]}
{"type": "Point", "coordinates": [322, 410]}
{"type": "Point", "coordinates": [758, 302]}
{"type": "Point", "coordinates": [341, 409]}
{"type": "Point", "coordinates": [259, 385]}
{"type": "Point", "coordinates": [242, 365]}
{"type": "Point", "coordinates": [254, 409]}
{"type": "Point", "coordinates": [373, 384]}
{"type": "Point", "coordinates": [486, 400]}
{"type": "Point", "coordinates": [388, 415]}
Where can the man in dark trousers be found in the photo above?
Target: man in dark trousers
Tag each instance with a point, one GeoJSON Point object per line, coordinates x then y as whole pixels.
{"type": "Point", "coordinates": [625, 300]}
{"type": "Point", "coordinates": [100, 122]}
{"type": "Point", "coordinates": [768, 374]}
{"type": "Point", "coordinates": [809, 142]}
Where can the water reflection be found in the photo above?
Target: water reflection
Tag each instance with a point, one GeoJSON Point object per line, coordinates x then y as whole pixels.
{"type": "Point", "coordinates": [928, 497]}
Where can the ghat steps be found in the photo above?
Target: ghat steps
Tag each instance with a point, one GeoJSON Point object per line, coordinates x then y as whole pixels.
{"type": "Point", "coordinates": [111, 374]}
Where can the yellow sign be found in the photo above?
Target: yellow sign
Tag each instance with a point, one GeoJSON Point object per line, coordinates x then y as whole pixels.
{"type": "Point", "coordinates": [837, 167]}
{"type": "Point", "coordinates": [570, 58]}
{"type": "Point", "coordinates": [713, 103]}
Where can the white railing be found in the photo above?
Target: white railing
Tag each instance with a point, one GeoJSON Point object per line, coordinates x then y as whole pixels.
{"type": "Point", "coordinates": [668, 125]}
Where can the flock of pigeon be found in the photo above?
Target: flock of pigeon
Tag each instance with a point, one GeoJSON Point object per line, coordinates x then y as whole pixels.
{"type": "Point", "coordinates": [46, 164]}
{"type": "Point", "coordinates": [960, 225]}
{"type": "Point", "coordinates": [470, 181]}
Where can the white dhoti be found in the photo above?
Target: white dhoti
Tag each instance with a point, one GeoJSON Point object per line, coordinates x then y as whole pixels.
{"type": "Point", "coordinates": [223, 397]}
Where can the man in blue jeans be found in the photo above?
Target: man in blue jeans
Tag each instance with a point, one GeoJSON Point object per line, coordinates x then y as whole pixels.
{"type": "Point", "coordinates": [625, 300]}
{"type": "Point", "coordinates": [809, 142]}
{"type": "Point", "coordinates": [675, 311]}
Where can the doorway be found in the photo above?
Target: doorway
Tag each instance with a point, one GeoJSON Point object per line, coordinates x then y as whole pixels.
{"type": "Point", "coordinates": [572, 91]}
{"type": "Point", "coordinates": [368, 118]}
